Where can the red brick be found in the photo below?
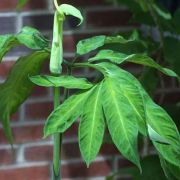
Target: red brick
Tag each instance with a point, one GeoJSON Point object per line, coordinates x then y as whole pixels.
{"type": "Point", "coordinates": [38, 110]}
{"type": "Point", "coordinates": [23, 134]}
{"type": "Point", "coordinates": [109, 18]}
{"type": "Point", "coordinates": [109, 149]}
{"type": "Point", "coordinates": [7, 156]}
{"type": "Point", "coordinates": [26, 173]}
{"type": "Point", "coordinates": [41, 153]}
{"type": "Point", "coordinates": [15, 116]}
{"type": "Point", "coordinates": [39, 92]}
{"type": "Point", "coordinates": [5, 67]}
{"type": "Point", "coordinates": [32, 4]}
{"type": "Point", "coordinates": [75, 170]}
{"type": "Point", "coordinates": [124, 163]}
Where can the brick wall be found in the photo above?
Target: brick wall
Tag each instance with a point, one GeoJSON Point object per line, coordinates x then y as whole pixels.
{"type": "Point", "coordinates": [32, 155]}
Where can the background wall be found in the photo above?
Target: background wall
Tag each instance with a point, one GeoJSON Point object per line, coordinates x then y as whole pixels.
{"type": "Point", "coordinates": [32, 154]}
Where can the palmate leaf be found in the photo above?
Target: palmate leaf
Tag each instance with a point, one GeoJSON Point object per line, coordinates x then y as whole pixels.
{"type": "Point", "coordinates": [121, 120]}
{"type": "Point", "coordinates": [17, 87]}
{"type": "Point", "coordinates": [66, 81]}
{"type": "Point", "coordinates": [21, 4]}
{"type": "Point", "coordinates": [92, 125]}
{"type": "Point", "coordinates": [118, 58]}
{"type": "Point", "coordinates": [28, 37]}
{"type": "Point", "coordinates": [156, 117]}
{"type": "Point", "coordinates": [65, 114]}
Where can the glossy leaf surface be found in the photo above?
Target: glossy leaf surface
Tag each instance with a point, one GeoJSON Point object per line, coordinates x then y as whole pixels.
{"type": "Point", "coordinates": [66, 81]}
{"type": "Point", "coordinates": [92, 126]}
{"type": "Point", "coordinates": [65, 114]}
{"type": "Point", "coordinates": [121, 120]}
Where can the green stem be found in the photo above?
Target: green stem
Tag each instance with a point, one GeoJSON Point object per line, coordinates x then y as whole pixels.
{"type": "Point", "coordinates": [57, 142]}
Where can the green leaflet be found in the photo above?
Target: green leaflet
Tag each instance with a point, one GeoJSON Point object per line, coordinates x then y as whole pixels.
{"type": "Point", "coordinates": [66, 81]}
{"type": "Point", "coordinates": [121, 120]}
{"type": "Point", "coordinates": [90, 44]}
{"type": "Point", "coordinates": [17, 87]}
{"type": "Point", "coordinates": [65, 114]}
{"type": "Point", "coordinates": [118, 58]}
{"type": "Point", "coordinates": [92, 125]}
{"type": "Point", "coordinates": [57, 47]}
{"type": "Point", "coordinates": [32, 38]}
{"type": "Point", "coordinates": [115, 57]}
{"type": "Point", "coordinates": [28, 37]}
{"type": "Point", "coordinates": [71, 10]}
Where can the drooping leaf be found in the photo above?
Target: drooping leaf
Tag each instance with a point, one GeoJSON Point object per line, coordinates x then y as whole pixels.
{"type": "Point", "coordinates": [90, 44]}
{"type": "Point", "coordinates": [28, 37]}
{"type": "Point", "coordinates": [65, 114]}
{"type": "Point", "coordinates": [17, 87]}
{"type": "Point", "coordinates": [92, 126]}
{"type": "Point", "coordinates": [118, 58]}
{"type": "Point", "coordinates": [71, 10]}
{"type": "Point", "coordinates": [66, 81]}
{"type": "Point", "coordinates": [121, 120]}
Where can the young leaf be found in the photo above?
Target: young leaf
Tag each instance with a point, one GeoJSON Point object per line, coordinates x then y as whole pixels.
{"type": "Point", "coordinates": [65, 114]}
{"type": "Point", "coordinates": [71, 10]}
{"type": "Point", "coordinates": [92, 126]}
{"type": "Point", "coordinates": [66, 81]}
{"type": "Point", "coordinates": [121, 120]}
{"type": "Point", "coordinates": [17, 87]}
{"type": "Point", "coordinates": [90, 44]}
{"type": "Point", "coordinates": [118, 58]}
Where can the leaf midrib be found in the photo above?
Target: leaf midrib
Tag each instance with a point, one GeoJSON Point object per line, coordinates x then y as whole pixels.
{"type": "Point", "coordinates": [93, 120]}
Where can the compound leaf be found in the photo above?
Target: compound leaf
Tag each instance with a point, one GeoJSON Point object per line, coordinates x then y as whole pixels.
{"type": "Point", "coordinates": [92, 126]}
{"type": "Point", "coordinates": [65, 81]}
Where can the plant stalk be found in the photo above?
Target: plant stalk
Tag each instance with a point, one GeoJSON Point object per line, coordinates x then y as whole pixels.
{"type": "Point", "coordinates": [57, 142]}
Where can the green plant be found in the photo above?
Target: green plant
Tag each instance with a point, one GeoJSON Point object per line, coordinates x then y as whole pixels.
{"type": "Point", "coordinates": [116, 100]}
